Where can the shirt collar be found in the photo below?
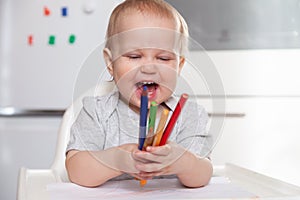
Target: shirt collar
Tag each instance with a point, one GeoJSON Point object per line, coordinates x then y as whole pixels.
{"type": "Point", "coordinates": [170, 103]}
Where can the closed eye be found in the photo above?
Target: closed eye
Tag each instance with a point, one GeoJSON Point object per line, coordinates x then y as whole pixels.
{"type": "Point", "coordinates": [164, 58]}
{"type": "Point", "coordinates": [133, 56]}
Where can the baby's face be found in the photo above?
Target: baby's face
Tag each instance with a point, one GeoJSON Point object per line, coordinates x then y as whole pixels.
{"type": "Point", "coordinates": [145, 54]}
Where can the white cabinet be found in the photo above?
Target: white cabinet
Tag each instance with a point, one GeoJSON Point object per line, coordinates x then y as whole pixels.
{"type": "Point", "coordinates": [25, 142]}
{"type": "Point", "coordinates": [265, 140]}
{"type": "Point", "coordinates": [265, 86]}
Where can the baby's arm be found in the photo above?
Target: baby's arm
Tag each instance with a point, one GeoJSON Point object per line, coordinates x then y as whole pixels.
{"type": "Point", "coordinates": [93, 168]}
{"type": "Point", "coordinates": [194, 171]}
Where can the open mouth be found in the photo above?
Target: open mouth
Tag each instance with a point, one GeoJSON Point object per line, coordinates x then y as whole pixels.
{"type": "Point", "coordinates": [151, 87]}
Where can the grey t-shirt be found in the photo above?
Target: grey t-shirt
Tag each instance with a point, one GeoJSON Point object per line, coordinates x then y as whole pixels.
{"type": "Point", "coordinates": [106, 121]}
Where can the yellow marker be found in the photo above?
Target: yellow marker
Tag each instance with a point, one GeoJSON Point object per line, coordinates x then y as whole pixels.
{"type": "Point", "coordinates": [161, 126]}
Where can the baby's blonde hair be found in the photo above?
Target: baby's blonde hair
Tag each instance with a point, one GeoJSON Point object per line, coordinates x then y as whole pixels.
{"type": "Point", "coordinates": [157, 7]}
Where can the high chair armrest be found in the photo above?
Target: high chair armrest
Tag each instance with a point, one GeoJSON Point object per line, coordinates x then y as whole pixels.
{"type": "Point", "coordinates": [32, 183]}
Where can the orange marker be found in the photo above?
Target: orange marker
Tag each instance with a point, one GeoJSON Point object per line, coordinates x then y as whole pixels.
{"type": "Point", "coordinates": [160, 127]}
{"type": "Point", "coordinates": [143, 183]}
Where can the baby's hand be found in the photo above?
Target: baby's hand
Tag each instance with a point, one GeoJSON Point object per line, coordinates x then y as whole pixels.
{"type": "Point", "coordinates": [120, 158]}
{"type": "Point", "coordinates": [160, 160]}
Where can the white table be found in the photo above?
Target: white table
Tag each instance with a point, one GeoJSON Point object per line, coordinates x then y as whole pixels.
{"type": "Point", "coordinates": [33, 183]}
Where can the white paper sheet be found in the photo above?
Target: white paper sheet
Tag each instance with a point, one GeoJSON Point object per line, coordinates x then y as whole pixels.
{"type": "Point", "coordinates": [219, 187]}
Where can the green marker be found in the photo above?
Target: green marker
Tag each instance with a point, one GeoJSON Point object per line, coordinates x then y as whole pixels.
{"type": "Point", "coordinates": [51, 40]}
{"type": "Point", "coordinates": [151, 125]}
{"type": "Point", "coordinates": [72, 39]}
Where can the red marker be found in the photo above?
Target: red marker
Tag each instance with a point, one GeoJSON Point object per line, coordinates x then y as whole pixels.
{"type": "Point", "coordinates": [173, 119]}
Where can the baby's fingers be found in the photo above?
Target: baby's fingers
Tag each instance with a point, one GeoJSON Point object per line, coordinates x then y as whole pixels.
{"type": "Point", "coordinates": [160, 150]}
{"type": "Point", "coordinates": [164, 171]}
{"type": "Point", "coordinates": [139, 156]}
{"type": "Point", "coordinates": [146, 157]}
{"type": "Point", "coordinates": [142, 176]}
{"type": "Point", "coordinates": [150, 167]}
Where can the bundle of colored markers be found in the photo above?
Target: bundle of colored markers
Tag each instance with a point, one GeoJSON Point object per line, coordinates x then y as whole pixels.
{"type": "Point", "coordinates": [162, 134]}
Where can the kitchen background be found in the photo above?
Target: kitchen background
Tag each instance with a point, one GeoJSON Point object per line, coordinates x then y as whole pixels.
{"type": "Point", "coordinates": [253, 44]}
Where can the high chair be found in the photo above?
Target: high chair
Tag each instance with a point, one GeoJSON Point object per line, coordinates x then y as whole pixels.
{"type": "Point", "coordinates": [32, 183]}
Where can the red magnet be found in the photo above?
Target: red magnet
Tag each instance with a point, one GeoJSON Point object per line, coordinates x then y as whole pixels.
{"type": "Point", "coordinates": [47, 12]}
{"type": "Point", "coordinates": [30, 40]}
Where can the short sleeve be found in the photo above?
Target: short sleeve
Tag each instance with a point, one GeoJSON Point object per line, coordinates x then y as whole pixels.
{"type": "Point", "coordinates": [87, 133]}
{"type": "Point", "coordinates": [192, 133]}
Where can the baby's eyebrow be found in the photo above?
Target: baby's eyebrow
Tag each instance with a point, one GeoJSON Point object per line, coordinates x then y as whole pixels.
{"type": "Point", "coordinates": [168, 52]}
{"type": "Point", "coordinates": [131, 51]}
{"type": "Point", "coordinates": [158, 51]}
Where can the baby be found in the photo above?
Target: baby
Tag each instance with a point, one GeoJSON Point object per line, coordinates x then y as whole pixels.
{"type": "Point", "coordinates": [146, 41]}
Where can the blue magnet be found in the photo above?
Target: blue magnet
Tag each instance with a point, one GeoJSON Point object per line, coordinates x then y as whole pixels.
{"type": "Point", "coordinates": [64, 11]}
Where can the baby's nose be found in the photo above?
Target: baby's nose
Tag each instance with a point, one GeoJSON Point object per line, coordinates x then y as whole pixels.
{"type": "Point", "coordinates": [149, 68]}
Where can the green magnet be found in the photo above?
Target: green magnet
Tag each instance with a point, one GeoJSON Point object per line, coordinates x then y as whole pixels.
{"type": "Point", "coordinates": [51, 40]}
{"type": "Point", "coordinates": [72, 39]}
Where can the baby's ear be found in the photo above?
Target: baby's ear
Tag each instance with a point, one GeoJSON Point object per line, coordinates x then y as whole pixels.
{"type": "Point", "coordinates": [181, 63]}
{"type": "Point", "coordinates": [108, 60]}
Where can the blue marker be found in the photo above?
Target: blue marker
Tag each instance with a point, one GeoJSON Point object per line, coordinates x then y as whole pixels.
{"type": "Point", "coordinates": [143, 117]}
